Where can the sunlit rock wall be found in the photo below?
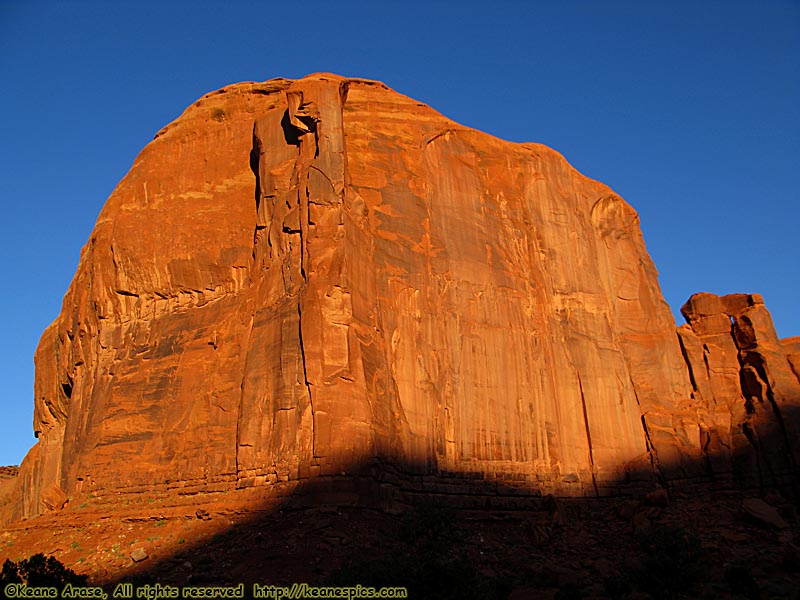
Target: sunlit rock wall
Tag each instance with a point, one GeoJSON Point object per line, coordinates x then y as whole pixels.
{"type": "Point", "coordinates": [298, 277]}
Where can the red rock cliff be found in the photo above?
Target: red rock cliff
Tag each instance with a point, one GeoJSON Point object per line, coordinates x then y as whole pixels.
{"type": "Point", "coordinates": [296, 277]}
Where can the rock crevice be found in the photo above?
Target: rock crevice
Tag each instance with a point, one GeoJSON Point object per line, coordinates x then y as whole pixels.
{"type": "Point", "coordinates": [747, 394]}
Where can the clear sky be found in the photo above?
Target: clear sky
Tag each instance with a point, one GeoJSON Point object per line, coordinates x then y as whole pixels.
{"type": "Point", "coordinates": [688, 109]}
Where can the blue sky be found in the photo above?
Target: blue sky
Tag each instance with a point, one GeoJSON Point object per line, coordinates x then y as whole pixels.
{"type": "Point", "coordinates": [687, 109]}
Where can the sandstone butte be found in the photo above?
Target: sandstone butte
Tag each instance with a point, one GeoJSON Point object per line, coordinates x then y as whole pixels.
{"type": "Point", "coordinates": [303, 279]}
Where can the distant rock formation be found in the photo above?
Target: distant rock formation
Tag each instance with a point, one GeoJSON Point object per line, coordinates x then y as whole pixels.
{"type": "Point", "coordinates": [298, 278]}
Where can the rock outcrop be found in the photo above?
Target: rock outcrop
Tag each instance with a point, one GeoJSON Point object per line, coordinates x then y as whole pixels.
{"type": "Point", "coordinates": [298, 278]}
{"type": "Point", "coordinates": [748, 388]}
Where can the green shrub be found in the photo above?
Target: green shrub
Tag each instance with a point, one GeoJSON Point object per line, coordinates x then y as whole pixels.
{"type": "Point", "coordinates": [671, 562]}
{"type": "Point", "coordinates": [742, 582]}
{"type": "Point", "coordinates": [40, 571]}
{"type": "Point", "coordinates": [424, 555]}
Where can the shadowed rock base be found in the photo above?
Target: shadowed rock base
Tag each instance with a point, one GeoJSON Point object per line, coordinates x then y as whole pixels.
{"type": "Point", "coordinates": [453, 537]}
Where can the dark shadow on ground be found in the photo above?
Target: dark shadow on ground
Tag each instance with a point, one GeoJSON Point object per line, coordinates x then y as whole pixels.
{"type": "Point", "coordinates": [457, 535]}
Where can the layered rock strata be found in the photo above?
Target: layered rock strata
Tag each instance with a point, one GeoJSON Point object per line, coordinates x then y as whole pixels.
{"type": "Point", "coordinates": [299, 278]}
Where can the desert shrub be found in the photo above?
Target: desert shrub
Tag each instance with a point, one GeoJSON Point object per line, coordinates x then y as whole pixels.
{"type": "Point", "coordinates": [742, 582]}
{"type": "Point", "coordinates": [617, 586]}
{"type": "Point", "coordinates": [569, 591]}
{"type": "Point", "coordinates": [138, 580]}
{"type": "Point", "coordinates": [671, 562]}
{"type": "Point", "coordinates": [40, 571]}
{"type": "Point", "coordinates": [424, 555]}
{"type": "Point", "coordinates": [430, 528]}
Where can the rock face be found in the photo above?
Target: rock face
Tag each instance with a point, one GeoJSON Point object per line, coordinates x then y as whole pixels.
{"type": "Point", "coordinates": [298, 278]}
{"type": "Point", "coordinates": [747, 382]}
